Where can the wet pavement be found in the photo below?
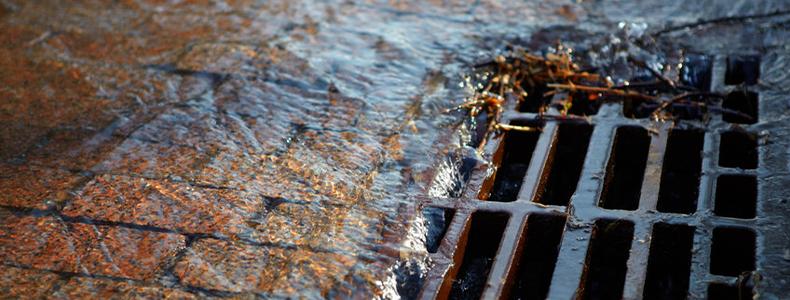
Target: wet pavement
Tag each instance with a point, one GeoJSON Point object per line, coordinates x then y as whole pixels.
{"type": "Point", "coordinates": [267, 148]}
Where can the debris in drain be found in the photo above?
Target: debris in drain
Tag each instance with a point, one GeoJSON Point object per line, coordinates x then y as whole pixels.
{"type": "Point", "coordinates": [554, 81]}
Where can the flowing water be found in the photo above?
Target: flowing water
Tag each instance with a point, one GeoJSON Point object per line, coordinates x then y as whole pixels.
{"type": "Point", "coordinates": [275, 148]}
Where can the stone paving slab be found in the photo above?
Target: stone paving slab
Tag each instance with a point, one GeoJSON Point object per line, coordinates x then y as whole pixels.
{"type": "Point", "coordinates": [51, 244]}
{"type": "Point", "coordinates": [29, 186]}
{"type": "Point", "coordinates": [101, 288]}
{"type": "Point", "coordinates": [163, 204]}
{"type": "Point", "coordinates": [233, 267]}
{"type": "Point", "coordinates": [18, 283]}
{"type": "Point", "coordinates": [42, 243]}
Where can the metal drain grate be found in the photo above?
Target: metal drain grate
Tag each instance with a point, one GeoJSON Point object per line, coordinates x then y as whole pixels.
{"type": "Point", "coordinates": [609, 210]}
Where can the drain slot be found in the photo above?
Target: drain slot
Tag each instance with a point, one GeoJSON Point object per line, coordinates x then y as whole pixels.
{"type": "Point", "coordinates": [637, 109]}
{"type": "Point", "coordinates": [584, 104]}
{"type": "Point", "coordinates": [479, 132]}
{"type": "Point", "coordinates": [736, 196]}
{"type": "Point", "coordinates": [566, 163]}
{"type": "Point", "coordinates": [732, 251]}
{"type": "Point", "coordinates": [738, 149]}
{"type": "Point", "coordinates": [481, 247]}
{"type": "Point", "coordinates": [539, 256]}
{"type": "Point", "coordinates": [669, 263]}
{"type": "Point", "coordinates": [626, 169]}
{"type": "Point", "coordinates": [518, 148]}
{"type": "Point", "coordinates": [437, 220]}
{"type": "Point", "coordinates": [720, 291]}
{"type": "Point", "coordinates": [604, 277]}
{"type": "Point", "coordinates": [742, 69]}
{"type": "Point", "coordinates": [740, 107]}
{"type": "Point", "coordinates": [696, 71]}
{"type": "Point", "coordinates": [681, 172]}
{"type": "Point", "coordinates": [535, 100]}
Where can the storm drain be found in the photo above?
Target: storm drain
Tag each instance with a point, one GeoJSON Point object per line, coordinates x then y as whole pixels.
{"type": "Point", "coordinates": [618, 207]}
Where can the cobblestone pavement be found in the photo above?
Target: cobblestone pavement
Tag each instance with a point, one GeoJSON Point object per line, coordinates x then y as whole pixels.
{"type": "Point", "coordinates": [242, 148]}
{"type": "Point", "coordinates": [203, 148]}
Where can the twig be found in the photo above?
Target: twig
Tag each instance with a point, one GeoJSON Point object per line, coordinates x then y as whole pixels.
{"type": "Point", "coordinates": [720, 20]}
{"type": "Point", "coordinates": [677, 98]}
{"type": "Point", "coordinates": [655, 72]}
{"type": "Point", "coordinates": [572, 87]}
{"type": "Point", "coordinates": [507, 127]}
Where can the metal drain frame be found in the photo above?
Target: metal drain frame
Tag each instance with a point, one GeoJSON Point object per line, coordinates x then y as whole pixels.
{"type": "Point", "coordinates": [583, 209]}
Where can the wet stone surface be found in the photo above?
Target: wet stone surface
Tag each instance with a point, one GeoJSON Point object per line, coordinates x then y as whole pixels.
{"type": "Point", "coordinates": [264, 149]}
